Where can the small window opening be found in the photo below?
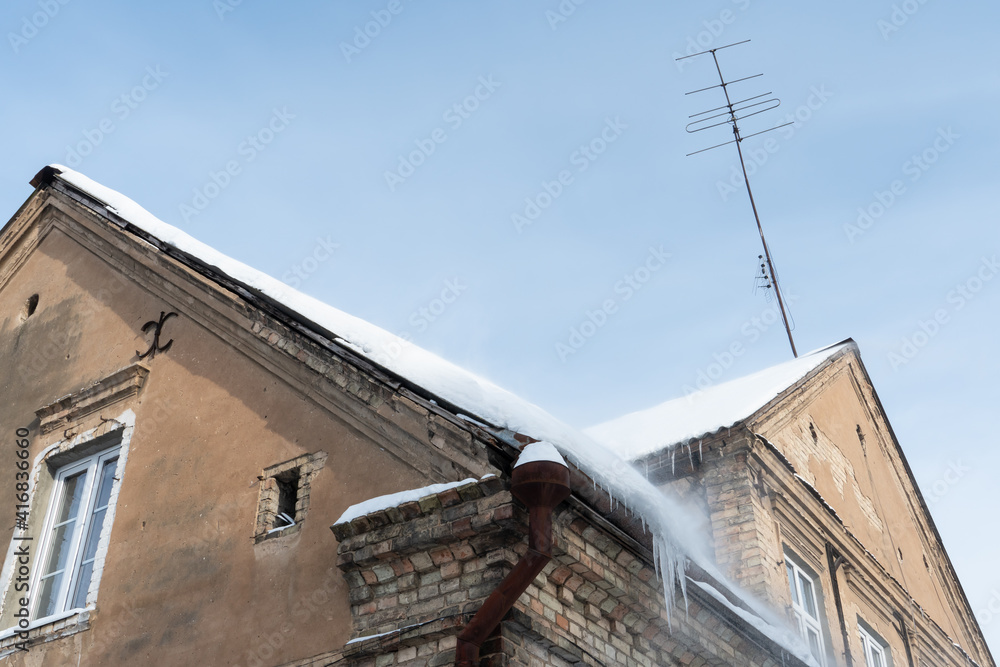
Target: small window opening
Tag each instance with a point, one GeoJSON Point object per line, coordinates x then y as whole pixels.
{"type": "Point", "coordinates": [29, 307]}
{"type": "Point", "coordinates": [284, 496]}
{"type": "Point", "coordinates": [288, 495]}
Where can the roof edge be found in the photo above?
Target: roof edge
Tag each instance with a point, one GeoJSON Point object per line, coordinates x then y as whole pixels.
{"type": "Point", "coordinates": [927, 514]}
{"type": "Point", "coordinates": [849, 346]}
{"type": "Point", "coordinates": [44, 177]}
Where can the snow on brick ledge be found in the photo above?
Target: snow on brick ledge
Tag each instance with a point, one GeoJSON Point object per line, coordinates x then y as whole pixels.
{"type": "Point", "coordinates": [407, 505]}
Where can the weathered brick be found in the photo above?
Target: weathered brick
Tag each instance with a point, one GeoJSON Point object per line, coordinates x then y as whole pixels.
{"type": "Point", "coordinates": [441, 555]}
{"type": "Point", "coordinates": [451, 570]}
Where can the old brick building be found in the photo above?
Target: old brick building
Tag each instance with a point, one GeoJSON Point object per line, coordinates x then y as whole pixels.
{"type": "Point", "coordinates": [182, 432]}
{"type": "Point", "coordinates": [813, 508]}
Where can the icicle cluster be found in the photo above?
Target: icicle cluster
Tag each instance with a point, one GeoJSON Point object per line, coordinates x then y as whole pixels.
{"type": "Point", "coordinates": [675, 533]}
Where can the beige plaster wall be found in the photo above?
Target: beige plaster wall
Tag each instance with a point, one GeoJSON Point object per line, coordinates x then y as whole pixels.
{"type": "Point", "coordinates": [862, 477]}
{"type": "Point", "coordinates": [184, 582]}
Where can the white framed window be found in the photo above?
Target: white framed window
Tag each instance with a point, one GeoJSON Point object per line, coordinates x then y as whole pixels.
{"type": "Point", "coordinates": [74, 523]}
{"type": "Point", "coordinates": [55, 561]}
{"type": "Point", "coordinates": [876, 649]}
{"type": "Point", "coordinates": [806, 610]}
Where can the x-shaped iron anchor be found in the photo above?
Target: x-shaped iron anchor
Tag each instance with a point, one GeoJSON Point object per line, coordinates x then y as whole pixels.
{"type": "Point", "coordinates": [156, 347]}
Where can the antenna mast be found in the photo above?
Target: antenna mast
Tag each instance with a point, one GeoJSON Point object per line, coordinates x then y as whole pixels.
{"type": "Point", "coordinates": [731, 113]}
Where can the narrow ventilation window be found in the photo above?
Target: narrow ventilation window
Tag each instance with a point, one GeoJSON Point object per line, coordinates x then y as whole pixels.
{"type": "Point", "coordinates": [288, 495]}
{"type": "Point", "coordinates": [284, 496]}
{"type": "Point", "coordinates": [29, 307]}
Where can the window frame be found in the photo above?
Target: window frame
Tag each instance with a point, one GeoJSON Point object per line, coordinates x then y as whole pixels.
{"type": "Point", "coordinates": [273, 519]}
{"type": "Point", "coordinates": [55, 457]}
{"type": "Point", "coordinates": [795, 573]}
{"type": "Point", "coordinates": [871, 641]}
{"type": "Point", "coordinates": [92, 465]}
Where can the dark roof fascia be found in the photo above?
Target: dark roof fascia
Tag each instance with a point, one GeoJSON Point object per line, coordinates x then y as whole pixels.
{"type": "Point", "coordinates": [295, 320]}
{"type": "Point", "coordinates": [501, 439]}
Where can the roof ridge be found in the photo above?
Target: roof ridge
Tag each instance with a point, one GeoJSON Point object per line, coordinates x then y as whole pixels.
{"type": "Point", "coordinates": [711, 409]}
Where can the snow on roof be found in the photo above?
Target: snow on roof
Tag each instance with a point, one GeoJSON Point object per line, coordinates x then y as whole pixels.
{"type": "Point", "coordinates": [703, 412]}
{"type": "Point", "coordinates": [676, 535]}
{"type": "Point", "coordinates": [758, 619]}
{"type": "Point", "coordinates": [481, 398]}
{"type": "Point", "coordinates": [539, 451]}
{"type": "Point", "coordinates": [396, 499]}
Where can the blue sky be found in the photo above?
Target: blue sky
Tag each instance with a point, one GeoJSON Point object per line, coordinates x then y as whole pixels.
{"type": "Point", "coordinates": [268, 132]}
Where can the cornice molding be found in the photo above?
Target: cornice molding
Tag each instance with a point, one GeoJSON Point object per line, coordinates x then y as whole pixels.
{"type": "Point", "coordinates": [69, 409]}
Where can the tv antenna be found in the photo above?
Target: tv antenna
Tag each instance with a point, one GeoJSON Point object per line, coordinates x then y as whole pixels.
{"type": "Point", "coordinates": [730, 114]}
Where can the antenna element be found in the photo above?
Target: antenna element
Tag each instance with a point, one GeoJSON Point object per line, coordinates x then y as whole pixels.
{"type": "Point", "coordinates": [731, 113]}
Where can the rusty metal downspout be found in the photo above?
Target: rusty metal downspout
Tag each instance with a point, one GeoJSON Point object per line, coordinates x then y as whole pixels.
{"type": "Point", "coordinates": [540, 485]}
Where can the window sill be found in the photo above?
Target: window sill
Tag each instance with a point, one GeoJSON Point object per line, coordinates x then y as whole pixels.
{"type": "Point", "coordinates": [273, 533]}
{"type": "Point", "coordinates": [46, 629]}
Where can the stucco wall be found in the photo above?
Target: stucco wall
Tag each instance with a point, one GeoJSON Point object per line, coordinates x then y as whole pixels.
{"type": "Point", "coordinates": [184, 582]}
{"type": "Point", "coordinates": [833, 433]}
{"type": "Point", "coordinates": [860, 476]}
